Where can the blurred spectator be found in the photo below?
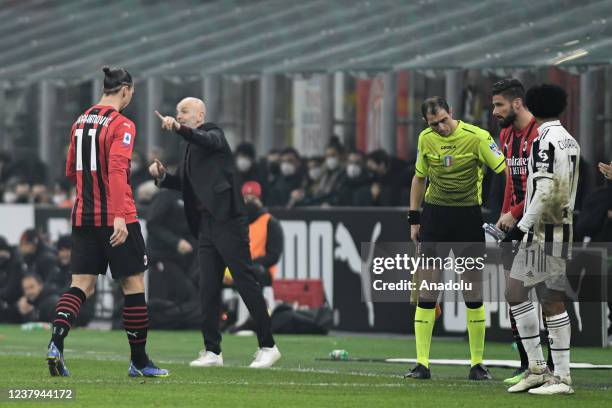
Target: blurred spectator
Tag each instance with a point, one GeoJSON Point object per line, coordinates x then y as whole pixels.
{"type": "Point", "coordinates": [17, 191]}
{"type": "Point", "coordinates": [11, 272]}
{"type": "Point", "coordinates": [271, 166]}
{"type": "Point", "coordinates": [173, 278]}
{"type": "Point", "coordinates": [390, 179]}
{"type": "Point", "coordinates": [327, 191]}
{"type": "Point", "coordinates": [40, 194]}
{"type": "Point", "coordinates": [28, 168]}
{"type": "Point", "coordinates": [286, 188]}
{"type": "Point", "coordinates": [355, 187]}
{"type": "Point", "coordinates": [38, 302]}
{"type": "Point", "coordinates": [314, 174]}
{"type": "Point", "coordinates": [266, 246]}
{"type": "Point", "coordinates": [37, 256]}
{"type": "Point", "coordinates": [144, 196]}
{"type": "Point", "coordinates": [59, 278]}
{"type": "Point", "coordinates": [168, 237]}
{"type": "Point", "coordinates": [5, 160]}
{"type": "Point", "coordinates": [248, 168]}
{"type": "Point", "coordinates": [61, 194]}
{"type": "Point", "coordinates": [138, 172]}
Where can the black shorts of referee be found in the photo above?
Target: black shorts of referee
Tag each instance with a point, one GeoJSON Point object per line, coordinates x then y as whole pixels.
{"type": "Point", "coordinates": [446, 224]}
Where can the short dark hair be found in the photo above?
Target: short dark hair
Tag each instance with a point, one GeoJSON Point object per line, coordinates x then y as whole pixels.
{"type": "Point", "coordinates": [336, 144]}
{"type": "Point", "coordinates": [509, 88]}
{"type": "Point", "coordinates": [115, 78]}
{"type": "Point", "coordinates": [546, 100]}
{"type": "Point", "coordinates": [32, 275]}
{"type": "Point", "coordinates": [64, 242]}
{"type": "Point", "coordinates": [246, 149]}
{"type": "Point", "coordinates": [356, 151]}
{"type": "Point", "coordinates": [379, 156]}
{"type": "Point", "coordinates": [433, 105]}
{"type": "Point", "coordinates": [292, 151]}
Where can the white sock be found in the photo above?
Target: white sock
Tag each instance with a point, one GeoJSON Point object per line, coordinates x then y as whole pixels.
{"type": "Point", "coordinates": [559, 334]}
{"type": "Point", "coordinates": [528, 326]}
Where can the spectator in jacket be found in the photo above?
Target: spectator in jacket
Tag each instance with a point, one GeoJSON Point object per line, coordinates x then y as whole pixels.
{"type": "Point", "coordinates": [285, 190]}
{"type": "Point", "coordinates": [11, 272]}
{"type": "Point", "coordinates": [37, 303]}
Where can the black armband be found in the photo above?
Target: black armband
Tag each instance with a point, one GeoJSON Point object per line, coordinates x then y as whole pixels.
{"type": "Point", "coordinates": [414, 217]}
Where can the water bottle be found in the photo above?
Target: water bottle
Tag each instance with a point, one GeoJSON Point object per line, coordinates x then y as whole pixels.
{"type": "Point", "coordinates": [339, 355]}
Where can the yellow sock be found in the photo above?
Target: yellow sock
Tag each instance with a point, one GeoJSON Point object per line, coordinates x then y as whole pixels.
{"type": "Point", "coordinates": [424, 320]}
{"type": "Point", "coordinates": [476, 332]}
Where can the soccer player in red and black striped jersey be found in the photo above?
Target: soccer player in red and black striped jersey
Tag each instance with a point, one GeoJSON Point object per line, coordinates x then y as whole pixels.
{"type": "Point", "coordinates": [105, 228]}
{"type": "Point", "coordinates": [519, 130]}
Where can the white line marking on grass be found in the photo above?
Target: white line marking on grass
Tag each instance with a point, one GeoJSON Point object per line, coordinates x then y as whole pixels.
{"type": "Point", "coordinates": [251, 383]}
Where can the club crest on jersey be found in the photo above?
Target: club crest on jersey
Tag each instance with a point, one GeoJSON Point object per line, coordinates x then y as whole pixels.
{"type": "Point", "coordinates": [448, 161]}
{"type": "Point", "coordinates": [127, 138]}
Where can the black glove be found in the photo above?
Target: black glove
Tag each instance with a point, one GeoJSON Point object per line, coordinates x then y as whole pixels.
{"type": "Point", "coordinates": [515, 234]}
{"type": "Point", "coordinates": [508, 250]}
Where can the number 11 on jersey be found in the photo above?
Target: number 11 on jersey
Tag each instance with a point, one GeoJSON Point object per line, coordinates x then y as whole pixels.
{"type": "Point", "coordinates": [79, 149]}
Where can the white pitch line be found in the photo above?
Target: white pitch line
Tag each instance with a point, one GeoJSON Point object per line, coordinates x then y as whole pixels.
{"type": "Point", "coordinates": [251, 383]}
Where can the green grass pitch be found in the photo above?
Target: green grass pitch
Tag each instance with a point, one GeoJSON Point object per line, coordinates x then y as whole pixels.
{"type": "Point", "coordinates": [98, 362]}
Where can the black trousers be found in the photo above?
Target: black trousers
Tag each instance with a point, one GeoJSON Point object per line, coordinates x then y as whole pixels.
{"type": "Point", "coordinates": [221, 244]}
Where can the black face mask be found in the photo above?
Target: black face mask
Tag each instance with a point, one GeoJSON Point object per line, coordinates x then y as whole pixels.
{"type": "Point", "coordinates": [22, 199]}
{"type": "Point", "coordinates": [274, 168]}
{"type": "Point", "coordinates": [252, 210]}
{"type": "Point", "coordinates": [4, 261]}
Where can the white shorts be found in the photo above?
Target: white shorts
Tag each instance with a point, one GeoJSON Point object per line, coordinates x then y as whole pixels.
{"type": "Point", "coordinates": [532, 266]}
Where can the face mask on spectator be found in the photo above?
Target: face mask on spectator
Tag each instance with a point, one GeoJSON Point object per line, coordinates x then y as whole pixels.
{"type": "Point", "coordinates": [59, 198]}
{"type": "Point", "coordinates": [243, 163]}
{"type": "Point", "coordinates": [252, 209]}
{"type": "Point", "coordinates": [353, 170]}
{"type": "Point", "coordinates": [10, 197]}
{"type": "Point", "coordinates": [287, 169]}
{"type": "Point", "coordinates": [332, 163]}
{"type": "Point", "coordinates": [314, 173]}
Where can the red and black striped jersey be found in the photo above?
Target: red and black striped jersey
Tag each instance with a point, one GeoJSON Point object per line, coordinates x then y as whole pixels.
{"type": "Point", "coordinates": [516, 146]}
{"type": "Point", "coordinates": [101, 144]}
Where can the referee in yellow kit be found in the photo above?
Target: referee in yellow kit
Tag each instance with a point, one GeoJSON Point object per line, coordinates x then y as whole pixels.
{"type": "Point", "coordinates": [450, 156]}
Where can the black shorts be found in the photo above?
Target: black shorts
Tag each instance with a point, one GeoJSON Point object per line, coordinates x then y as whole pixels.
{"type": "Point", "coordinates": [445, 224]}
{"type": "Point", "coordinates": [92, 252]}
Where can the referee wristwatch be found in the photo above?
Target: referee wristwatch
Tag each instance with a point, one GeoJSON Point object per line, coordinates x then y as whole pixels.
{"type": "Point", "coordinates": [414, 217]}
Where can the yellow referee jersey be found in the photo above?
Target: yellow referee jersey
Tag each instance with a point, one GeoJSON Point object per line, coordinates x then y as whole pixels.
{"type": "Point", "coordinates": [453, 164]}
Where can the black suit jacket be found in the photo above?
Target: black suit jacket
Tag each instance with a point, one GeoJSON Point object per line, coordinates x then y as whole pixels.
{"type": "Point", "coordinates": [206, 176]}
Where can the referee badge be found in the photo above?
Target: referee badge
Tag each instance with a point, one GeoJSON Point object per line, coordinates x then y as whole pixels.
{"type": "Point", "coordinates": [448, 161]}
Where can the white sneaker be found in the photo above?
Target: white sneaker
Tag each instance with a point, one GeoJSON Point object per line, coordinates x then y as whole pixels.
{"type": "Point", "coordinates": [531, 379]}
{"type": "Point", "coordinates": [207, 359]}
{"type": "Point", "coordinates": [266, 357]}
{"type": "Point", "coordinates": [554, 385]}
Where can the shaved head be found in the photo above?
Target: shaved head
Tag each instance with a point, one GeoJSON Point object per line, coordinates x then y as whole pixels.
{"type": "Point", "coordinates": [191, 112]}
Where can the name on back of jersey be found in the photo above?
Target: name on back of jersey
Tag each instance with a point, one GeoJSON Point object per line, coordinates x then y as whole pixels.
{"type": "Point", "coordinates": [567, 143]}
{"type": "Point", "coordinates": [94, 119]}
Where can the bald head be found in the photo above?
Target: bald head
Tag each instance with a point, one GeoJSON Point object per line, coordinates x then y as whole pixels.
{"type": "Point", "coordinates": [191, 112]}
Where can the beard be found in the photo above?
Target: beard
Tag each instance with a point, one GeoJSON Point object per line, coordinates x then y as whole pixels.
{"type": "Point", "coordinates": [508, 120]}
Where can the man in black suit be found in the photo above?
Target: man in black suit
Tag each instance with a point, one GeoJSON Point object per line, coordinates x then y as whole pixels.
{"type": "Point", "coordinates": [217, 218]}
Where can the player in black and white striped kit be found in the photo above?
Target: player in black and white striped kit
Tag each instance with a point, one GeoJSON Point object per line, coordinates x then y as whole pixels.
{"type": "Point", "coordinates": [546, 234]}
